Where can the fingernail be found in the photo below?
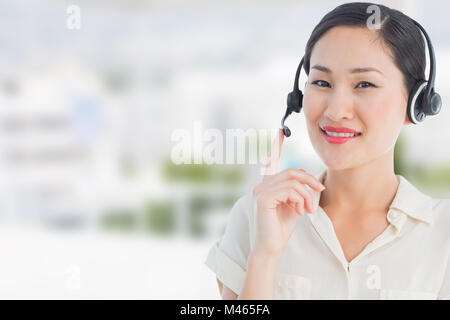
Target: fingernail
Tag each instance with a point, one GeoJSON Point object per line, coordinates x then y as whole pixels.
{"type": "Point", "coordinates": [322, 187]}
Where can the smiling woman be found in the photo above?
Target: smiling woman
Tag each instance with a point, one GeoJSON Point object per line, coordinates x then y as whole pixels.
{"type": "Point", "coordinates": [369, 233]}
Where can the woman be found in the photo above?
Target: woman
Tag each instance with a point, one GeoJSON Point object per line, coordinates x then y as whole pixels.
{"type": "Point", "coordinates": [368, 233]}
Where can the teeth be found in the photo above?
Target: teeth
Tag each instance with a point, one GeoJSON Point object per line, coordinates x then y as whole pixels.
{"type": "Point", "coordinates": [340, 134]}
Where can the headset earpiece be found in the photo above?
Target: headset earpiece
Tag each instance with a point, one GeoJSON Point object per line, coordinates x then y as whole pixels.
{"type": "Point", "coordinates": [295, 100]}
{"type": "Point", "coordinates": [294, 104]}
{"type": "Point", "coordinates": [419, 105]}
{"type": "Point", "coordinates": [422, 100]}
{"type": "Point", "coordinates": [415, 99]}
{"type": "Point", "coordinates": [434, 104]}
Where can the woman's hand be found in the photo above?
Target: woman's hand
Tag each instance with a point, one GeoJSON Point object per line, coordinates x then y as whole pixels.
{"type": "Point", "coordinates": [281, 197]}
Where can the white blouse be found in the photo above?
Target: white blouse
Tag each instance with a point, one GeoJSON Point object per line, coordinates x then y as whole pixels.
{"type": "Point", "coordinates": [408, 260]}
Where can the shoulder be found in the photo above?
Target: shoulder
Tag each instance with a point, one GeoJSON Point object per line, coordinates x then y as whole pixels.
{"type": "Point", "coordinates": [244, 203]}
{"type": "Point", "coordinates": [420, 205]}
{"type": "Point", "coordinates": [242, 208]}
{"type": "Point", "coordinates": [441, 209]}
{"type": "Point", "coordinates": [441, 204]}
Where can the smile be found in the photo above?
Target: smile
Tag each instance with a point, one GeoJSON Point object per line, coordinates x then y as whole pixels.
{"type": "Point", "coordinates": [339, 137]}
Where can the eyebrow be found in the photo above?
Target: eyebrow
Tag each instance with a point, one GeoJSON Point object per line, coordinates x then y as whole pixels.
{"type": "Point", "coordinates": [355, 70]}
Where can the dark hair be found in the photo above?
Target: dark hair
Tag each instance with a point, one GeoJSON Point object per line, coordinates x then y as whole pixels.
{"type": "Point", "coordinates": [397, 30]}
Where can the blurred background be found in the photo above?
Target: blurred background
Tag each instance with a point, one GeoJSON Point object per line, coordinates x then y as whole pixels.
{"type": "Point", "coordinates": [91, 204]}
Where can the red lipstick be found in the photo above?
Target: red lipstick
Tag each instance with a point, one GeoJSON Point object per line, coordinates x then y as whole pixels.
{"type": "Point", "coordinates": [336, 134]}
{"type": "Point", "coordinates": [339, 129]}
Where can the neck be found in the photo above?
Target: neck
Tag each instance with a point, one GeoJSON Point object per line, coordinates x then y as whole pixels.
{"type": "Point", "coordinates": [366, 188]}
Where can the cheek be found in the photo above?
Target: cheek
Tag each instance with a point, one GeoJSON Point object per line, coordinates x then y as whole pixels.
{"type": "Point", "coordinates": [313, 106]}
{"type": "Point", "coordinates": [386, 109]}
{"type": "Point", "coordinates": [383, 117]}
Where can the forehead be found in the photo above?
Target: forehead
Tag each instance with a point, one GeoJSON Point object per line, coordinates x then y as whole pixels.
{"type": "Point", "coordinates": [343, 48]}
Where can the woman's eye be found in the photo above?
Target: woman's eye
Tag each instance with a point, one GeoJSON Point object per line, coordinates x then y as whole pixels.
{"type": "Point", "coordinates": [362, 84]}
{"type": "Point", "coordinates": [321, 83]}
{"type": "Point", "coordinates": [365, 84]}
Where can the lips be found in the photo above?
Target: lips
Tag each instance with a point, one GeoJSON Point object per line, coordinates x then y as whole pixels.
{"type": "Point", "coordinates": [340, 132]}
{"type": "Point", "coordinates": [339, 129]}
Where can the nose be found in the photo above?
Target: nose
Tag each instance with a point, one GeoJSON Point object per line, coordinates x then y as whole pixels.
{"type": "Point", "coordinates": [339, 105]}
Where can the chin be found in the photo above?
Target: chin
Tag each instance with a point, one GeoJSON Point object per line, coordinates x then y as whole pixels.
{"type": "Point", "coordinates": [336, 163]}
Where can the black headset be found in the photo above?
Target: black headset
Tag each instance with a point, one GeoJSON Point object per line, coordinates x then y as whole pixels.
{"type": "Point", "coordinates": [422, 100]}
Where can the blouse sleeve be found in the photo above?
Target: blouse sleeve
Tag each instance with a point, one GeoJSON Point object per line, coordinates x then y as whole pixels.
{"type": "Point", "coordinates": [227, 258]}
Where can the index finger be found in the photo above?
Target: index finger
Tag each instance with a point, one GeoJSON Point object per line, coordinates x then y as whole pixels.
{"type": "Point", "coordinates": [273, 160]}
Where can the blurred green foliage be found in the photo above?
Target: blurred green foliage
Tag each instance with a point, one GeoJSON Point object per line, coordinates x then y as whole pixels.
{"type": "Point", "coordinates": [198, 206]}
{"type": "Point", "coordinates": [438, 177]}
{"type": "Point", "coordinates": [228, 200]}
{"type": "Point", "coordinates": [203, 173]}
{"type": "Point", "coordinates": [428, 179]}
{"type": "Point", "coordinates": [400, 157]}
{"type": "Point", "coordinates": [159, 217]}
{"type": "Point", "coordinates": [122, 220]}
